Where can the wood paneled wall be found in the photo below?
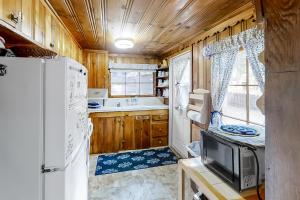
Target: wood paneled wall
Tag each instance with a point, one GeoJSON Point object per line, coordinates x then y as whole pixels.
{"type": "Point", "coordinates": [133, 59]}
{"type": "Point", "coordinates": [201, 65]}
{"type": "Point", "coordinates": [96, 61]}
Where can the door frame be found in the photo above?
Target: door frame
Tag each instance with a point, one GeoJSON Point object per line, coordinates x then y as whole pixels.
{"type": "Point", "coordinates": [171, 100]}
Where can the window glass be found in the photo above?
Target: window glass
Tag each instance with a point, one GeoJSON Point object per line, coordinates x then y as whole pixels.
{"type": "Point", "coordinates": [229, 120]}
{"type": "Point", "coordinates": [129, 83]}
{"type": "Point", "coordinates": [255, 114]}
{"type": "Point", "coordinates": [235, 102]}
{"type": "Point", "coordinates": [117, 89]}
{"type": "Point", "coordinates": [252, 79]}
{"type": "Point", "coordinates": [239, 72]}
{"type": "Point", "coordinates": [239, 105]}
{"type": "Point", "coordinates": [118, 77]}
{"type": "Point", "coordinates": [132, 77]}
{"type": "Point", "coordinates": [146, 88]}
{"type": "Point", "coordinates": [146, 77]}
{"type": "Point", "coordinates": [132, 89]}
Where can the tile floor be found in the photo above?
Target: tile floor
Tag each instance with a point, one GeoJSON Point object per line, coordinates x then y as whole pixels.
{"type": "Point", "coordinates": [158, 183]}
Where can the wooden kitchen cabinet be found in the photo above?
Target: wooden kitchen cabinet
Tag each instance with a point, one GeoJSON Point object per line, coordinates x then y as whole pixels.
{"type": "Point", "coordinates": [160, 129]}
{"type": "Point", "coordinates": [128, 141]}
{"type": "Point", "coordinates": [106, 135]}
{"type": "Point", "coordinates": [48, 30]}
{"type": "Point", "coordinates": [38, 27]}
{"type": "Point", "coordinates": [39, 22]}
{"type": "Point", "coordinates": [27, 19]}
{"type": "Point", "coordinates": [142, 132]}
{"type": "Point", "coordinates": [54, 44]}
{"type": "Point", "coordinates": [96, 61]}
{"type": "Point", "coordinates": [10, 12]}
{"type": "Point", "coordinates": [159, 141]}
{"type": "Point", "coordinates": [159, 133]}
{"type": "Point", "coordinates": [119, 131]}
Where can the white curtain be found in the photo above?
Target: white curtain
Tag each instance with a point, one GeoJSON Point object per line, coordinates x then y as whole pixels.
{"type": "Point", "coordinates": [182, 82]}
{"type": "Point", "coordinates": [252, 41]}
{"type": "Point", "coordinates": [223, 55]}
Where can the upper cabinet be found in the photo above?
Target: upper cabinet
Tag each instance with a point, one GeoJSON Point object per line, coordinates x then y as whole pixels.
{"type": "Point", "coordinates": [27, 17]}
{"type": "Point", "coordinates": [34, 21]}
{"type": "Point", "coordinates": [48, 31]}
{"type": "Point", "coordinates": [54, 34]}
{"type": "Point", "coordinates": [96, 61]}
{"type": "Point", "coordinates": [18, 14]}
{"type": "Point", "coordinates": [11, 12]}
{"type": "Point", "coordinates": [39, 22]}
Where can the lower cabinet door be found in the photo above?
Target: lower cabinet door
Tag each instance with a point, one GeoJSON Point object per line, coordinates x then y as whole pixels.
{"type": "Point", "coordinates": [128, 140]}
{"type": "Point", "coordinates": [106, 134]}
{"type": "Point", "coordinates": [159, 141]}
{"type": "Point", "coordinates": [142, 132]}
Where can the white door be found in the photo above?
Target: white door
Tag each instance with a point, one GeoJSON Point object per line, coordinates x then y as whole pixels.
{"type": "Point", "coordinates": [181, 69]}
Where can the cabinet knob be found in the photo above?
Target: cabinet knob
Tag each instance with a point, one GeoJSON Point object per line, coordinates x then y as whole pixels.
{"type": "Point", "coordinates": [14, 17]}
{"type": "Point", "coordinates": [51, 45]}
{"type": "Point", "coordinates": [160, 129]}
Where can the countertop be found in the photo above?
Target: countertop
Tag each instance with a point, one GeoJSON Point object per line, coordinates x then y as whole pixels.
{"type": "Point", "coordinates": [128, 108]}
{"type": "Point", "coordinates": [209, 184]}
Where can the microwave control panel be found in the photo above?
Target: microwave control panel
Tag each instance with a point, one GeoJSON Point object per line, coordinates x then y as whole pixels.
{"type": "Point", "coordinates": [248, 168]}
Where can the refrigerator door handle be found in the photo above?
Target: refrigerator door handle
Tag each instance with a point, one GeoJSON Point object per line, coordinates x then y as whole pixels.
{"type": "Point", "coordinates": [50, 170]}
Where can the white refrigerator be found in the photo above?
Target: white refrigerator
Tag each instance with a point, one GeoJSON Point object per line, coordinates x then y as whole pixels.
{"type": "Point", "coordinates": [44, 139]}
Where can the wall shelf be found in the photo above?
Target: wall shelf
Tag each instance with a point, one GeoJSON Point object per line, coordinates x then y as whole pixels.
{"type": "Point", "coordinates": [162, 75]}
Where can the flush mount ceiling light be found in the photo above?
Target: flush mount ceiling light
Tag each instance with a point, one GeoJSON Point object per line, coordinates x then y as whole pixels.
{"type": "Point", "coordinates": [123, 43]}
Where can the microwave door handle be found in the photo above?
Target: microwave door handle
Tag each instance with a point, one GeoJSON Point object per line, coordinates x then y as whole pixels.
{"type": "Point", "coordinates": [233, 174]}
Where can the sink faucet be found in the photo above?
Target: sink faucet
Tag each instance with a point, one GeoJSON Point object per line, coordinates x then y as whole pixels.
{"type": "Point", "coordinates": [119, 104]}
{"type": "Point", "coordinates": [134, 101]}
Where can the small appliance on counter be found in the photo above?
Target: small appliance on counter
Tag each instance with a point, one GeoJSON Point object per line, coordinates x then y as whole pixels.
{"type": "Point", "coordinates": [96, 97]}
{"type": "Point", "coordinates": [239, 159]}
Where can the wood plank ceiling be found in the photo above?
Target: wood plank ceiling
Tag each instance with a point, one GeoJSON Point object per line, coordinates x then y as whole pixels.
{"type": "Point", "coordinates": [156, 26]}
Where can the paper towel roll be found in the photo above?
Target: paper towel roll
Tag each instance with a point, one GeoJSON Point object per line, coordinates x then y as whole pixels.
{"type": "Point", "coordinates": [195, 116]}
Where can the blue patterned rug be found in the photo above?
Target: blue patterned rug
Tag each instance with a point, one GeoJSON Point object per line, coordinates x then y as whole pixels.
{"type": "Point", "coordinates": [134, 160]}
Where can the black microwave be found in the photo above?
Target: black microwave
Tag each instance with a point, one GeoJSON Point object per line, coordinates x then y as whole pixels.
{"type": "Point", "coordinates": [231, 161]}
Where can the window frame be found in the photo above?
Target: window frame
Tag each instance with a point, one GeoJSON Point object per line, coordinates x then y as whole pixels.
{"type": "Point", "coordinates": [122, 96]}
{"type": "Point", "coordinates": [247, 86]}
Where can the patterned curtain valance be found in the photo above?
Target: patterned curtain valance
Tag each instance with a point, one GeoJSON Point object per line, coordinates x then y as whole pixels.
{"type": "Point", "coordinates": [125, 66]}
{"type": "Point", "coordinates": [249, 37]}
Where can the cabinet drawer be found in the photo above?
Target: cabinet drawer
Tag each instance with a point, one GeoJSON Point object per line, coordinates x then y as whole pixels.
{"type": "Point", "coordinates": [160, 117]}
{"type": "Point", "coordinates": [160, 141]}
{"type": "Point", "coordinates": [142, 117]}
{"type": "Point", "coordinates": [159, 130]}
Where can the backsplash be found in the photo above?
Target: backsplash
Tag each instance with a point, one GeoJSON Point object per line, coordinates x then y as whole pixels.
{"type": "Point", "coordinates": [113, 102]}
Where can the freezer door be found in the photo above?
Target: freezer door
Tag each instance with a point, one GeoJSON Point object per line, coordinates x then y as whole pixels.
{"type": "Point", "coordinates": [70, 183]}
{"type": "Point", "coordinates": [21, 128]}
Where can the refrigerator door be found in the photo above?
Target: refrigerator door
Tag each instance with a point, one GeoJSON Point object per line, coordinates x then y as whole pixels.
{"type": "Point", "coordinates": [70, 183]}
{"type": "Point", "coordinates": [21, 128]}
{"type": "Point", "coordinates": [65, 111]}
